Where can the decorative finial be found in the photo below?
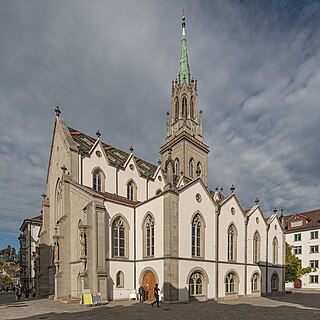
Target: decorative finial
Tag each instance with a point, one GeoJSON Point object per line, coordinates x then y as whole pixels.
{"type": "Point", "coordinates": [221, 188]}
{"type": "Point", "coordinates": [257, 201]}
{"type": "Point", "coordinates": [275, 210]}
{"type": "Point", "coordinates": [168, 113]}
{"type": "Point", "coordinates": [217, 189]}
{"type": "Point", "coordinates": [198, 172]}
{"type": "Point", "coordinates": [64, 169]}
{"type": "Point", "coordinates": [282, 211]}
{"type": "Point", "coordinates": [159, 162]}
{"type": "Point", "coordinates": [232, 188]}
{"type": "Point", "coordinates": [98, 134]}
{"type": "Point", "coordinates": [57, 111]}
{"type": "Point", "coordinates": [43, 196]}
{"type": "Point", "coordinates": [131, 149]}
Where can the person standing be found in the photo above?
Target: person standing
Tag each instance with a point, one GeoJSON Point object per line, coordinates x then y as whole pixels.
{"type": "Point", "coordinates": [18, 293]}
{"type": "Point", "coordinates": [156, 295]}
{"type": "Point", "coordinates": [141, 293]}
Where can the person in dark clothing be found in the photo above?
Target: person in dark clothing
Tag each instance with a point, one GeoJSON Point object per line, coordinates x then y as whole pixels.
{"type": "Point", "coordinates": [141, 293]}
{"type": "Point", "coordinates": [156, 295]}
{"type": "Point", "coordinates": [26, 294]}
{"type": "Point", "coordinates": [18, 293]}
{"type": "Point", "coordinates": [33, 292]}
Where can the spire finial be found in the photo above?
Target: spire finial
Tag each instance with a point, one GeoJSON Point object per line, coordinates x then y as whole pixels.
{"type": "Point", "coordinates": [57, 111]}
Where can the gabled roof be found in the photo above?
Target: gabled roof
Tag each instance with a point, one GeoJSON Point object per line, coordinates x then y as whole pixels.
{"type": "Point", "coordinates": [313, 218]}
{"type": "Point", "coordinates": [115, 156]}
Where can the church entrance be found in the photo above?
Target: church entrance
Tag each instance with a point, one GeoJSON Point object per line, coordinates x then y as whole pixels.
{"type": "Point", "coordinates": [149, 281]}
{"type": "Point", "coordinates": [297, 284]}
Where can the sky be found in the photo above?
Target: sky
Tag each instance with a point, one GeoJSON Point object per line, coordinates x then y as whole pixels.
{"type": "Point", "coordinates": [108, 65]}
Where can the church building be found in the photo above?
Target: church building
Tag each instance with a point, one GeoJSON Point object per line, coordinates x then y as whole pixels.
{"type": "Point", "coordinates": [112, 221]}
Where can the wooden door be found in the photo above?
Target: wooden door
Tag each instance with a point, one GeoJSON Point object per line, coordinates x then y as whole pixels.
{"type": "Point", "coordinates": [297, 284]}
{"type": "Point", "coordinates": [149, 282]}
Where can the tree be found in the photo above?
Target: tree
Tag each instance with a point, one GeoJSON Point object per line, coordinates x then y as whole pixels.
{"type": "Point", "coordinates": [294, 270]}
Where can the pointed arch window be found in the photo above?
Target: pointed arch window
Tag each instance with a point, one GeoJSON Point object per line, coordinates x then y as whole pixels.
{"type": "Point", "coordinates": [120, 279]}
{"type": "Point", "coordinates": [149, 236]}
{"type": "Point", "coordinates": [199, 168]}
{"type": "Point", "coordinates": [119, 238]}
{"type": "Point", "coordinates": [196, 284]}
{"type": "Point", "coordinates": [196, 236]}
{"type": "Point", "coordinates": [275, 250]}
{"type": "Point", "coordinates": [232, 243]}
{"type": "Point", "coordinates": [192, 108]}
{"type": "Point", "coordinates": [184, 107]}
{"type": "Point", "coordinates": [131, 191]}
{"type": "Point", "coordinates": [230, 283]}
{"type": "Point", "coordinates": [256, 247]}
{"type": "Point", "coordinates": [97, 180]}
{"type": "Point", "coordinates": [255, 281]}
{"type": "Point", "coordinates": [275, 282]}
{"type": "Point", "coordinates": [177, 167]}
{"type": "Point", "coordinates": [176, 109]}
{"type": "Point", "coordinates": [191, 168]}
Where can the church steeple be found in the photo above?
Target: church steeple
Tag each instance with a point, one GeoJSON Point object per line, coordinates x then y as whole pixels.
{"type": "Point", "coordinates": [184, 135]}
{"type": "Point", "coordinates": [184, 68]}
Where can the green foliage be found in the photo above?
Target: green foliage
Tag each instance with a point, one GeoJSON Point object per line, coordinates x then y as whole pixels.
{"type": "Point", "coordinates": [5, 281]}
{"type": "Point", "coordinates": [294, 270]}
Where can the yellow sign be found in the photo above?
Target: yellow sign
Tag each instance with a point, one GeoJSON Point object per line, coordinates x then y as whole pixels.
{"type": "Point", "coordinates": [87, 298]}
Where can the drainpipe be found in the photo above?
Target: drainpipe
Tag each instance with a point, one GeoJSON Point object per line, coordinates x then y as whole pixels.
{"type": "Point", "coordinates": [147, 188]}
{"type": "Point", "coordinates": [117, 170]}
{"type": "Point", "coordinates": [81, 166]}
{"type": "Point", "coordinates": [267, 256]}
{"type": "Point", "coordinates": [134, 250]}
{"type": "Point", "coordinates": [218, 211]}
{"type": "Point", "coordinates": [246, 256]}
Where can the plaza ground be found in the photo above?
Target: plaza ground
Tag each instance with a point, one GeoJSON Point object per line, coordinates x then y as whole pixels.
{"type": "Point", "coordinates": [298, 305]}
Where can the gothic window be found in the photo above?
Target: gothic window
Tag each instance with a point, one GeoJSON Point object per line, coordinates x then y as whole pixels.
{"type": "Point", "coordinates": [149, 236]}
{"type": "Point", "coordinates": [199, 168]}
{"type": "Point", "coordinates": [191, 168]}
{"type": "Point", "coordinates": [118, 238]}
{"type": "Point", "coordinates": [275, 282]}
{"type": "Point", "coordinates": [120, 279]}
{"type": "Point", "coordinates": [192, 108]}
{"type": "Point", "coordinates": [232, 242]}
{"type": "Point", "coordinates": [196, 284]}
{"type": "Point", "coordinates": [196, 236]}
{"type": "Point", "coordinates": [176, 109]}
{"type": "Point", "coordinates": [275, 251]}
{"type": "Point", "coordinates": [256, 247]}
{"type": "Point", "coordinates": [230, 283]}
{"type": "Point", "coordinates": [255, 282]}
{"type": "Point", "coordinates": [131, 191]}
{"type": "Point", "coordinates": [177, 167]}
{"type": "Point", "coordinates": [97, 177]}
{"type": "Point", "coordinates": [184, 107]}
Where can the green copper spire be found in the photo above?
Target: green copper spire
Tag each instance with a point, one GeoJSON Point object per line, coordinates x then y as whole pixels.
{"type": "Point", "coordinates": [184, 69]}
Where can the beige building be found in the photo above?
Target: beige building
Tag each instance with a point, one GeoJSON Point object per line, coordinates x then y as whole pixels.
{"type": "Point", "coordinates": [112, 221]}
{"type": "Point", "coordinates": [29, 251]}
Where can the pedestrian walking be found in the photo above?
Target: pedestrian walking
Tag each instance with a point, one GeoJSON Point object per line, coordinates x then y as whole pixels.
{"type": "Point", "coordinates": [18, 293]}
{"type": "Point", "coordinates": [141, 293]}
{"type": "Point", "coordinates": [33, 292]}
{"type": "Point", "coordinates": [156, 295]}
{"type": "Point", "coordinates": [26, 294]}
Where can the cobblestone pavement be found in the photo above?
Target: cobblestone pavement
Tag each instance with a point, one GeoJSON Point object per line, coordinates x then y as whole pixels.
{"type": "Point", "coordinates": [299, 305]}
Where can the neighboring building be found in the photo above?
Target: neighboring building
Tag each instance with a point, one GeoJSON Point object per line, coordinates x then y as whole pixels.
{"type": "Point", "coordinates": [112, 221]}
{"type": "Point", "coordinates": [303, 233]}
{"type": "Point", "coordinates": [29, 238]}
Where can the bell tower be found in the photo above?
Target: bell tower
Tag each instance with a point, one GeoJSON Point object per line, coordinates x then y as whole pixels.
{"type": "Point", "coordinates": [184, 133]}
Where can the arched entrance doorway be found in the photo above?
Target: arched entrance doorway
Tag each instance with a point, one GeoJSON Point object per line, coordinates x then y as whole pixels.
{"type": "Point", "coordinates": [149, 281]}
{"type": "Point", "coordinates": [297, 284]}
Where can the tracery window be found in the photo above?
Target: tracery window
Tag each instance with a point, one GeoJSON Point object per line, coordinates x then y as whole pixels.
{"type": "Point", "coordinates": [131, 191]}
{"type": "Point", "coordinates": [97, 178]}
{"type": "Point", "coordinates": [275, 251]}
{"type": "Point", "coordinates": [230, 283]}
{"type": "Point", "coordinates": [255, 282]}
{"type": "Point", "coordinates": [177, 167]}
{"type": "Point", "coordinates": [149, 236]}
{"type": "Point", "coordinates": [192, 108]}
{"type": "Point", "coordinates": [176, 110]}
{"type": "Point", "coordinates": [256, 247]}
{"type": "Point", "coordinates": [232, 239]}
{"type": "Point", "coordinates": [118, 238]}
{"type": "Point", "coordinates": [196, 236]}
{"type": "Point", "coordinates": [120, 279]}
{"type": "Point", "coordinates": [191, 168]}
{"type": "Point", "coordinates": [199, 168]}
{"type": "Point", "coordinates": [196, 284]}
{"type": "Point", "coordinates": [184, 107]}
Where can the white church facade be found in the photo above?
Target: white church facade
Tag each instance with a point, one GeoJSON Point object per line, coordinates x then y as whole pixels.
{"type": "Point", "coordinates": [112, 221]}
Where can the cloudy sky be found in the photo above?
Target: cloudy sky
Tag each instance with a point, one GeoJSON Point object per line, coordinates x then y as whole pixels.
{"type": "Point", "coordinates": [109, 66]}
